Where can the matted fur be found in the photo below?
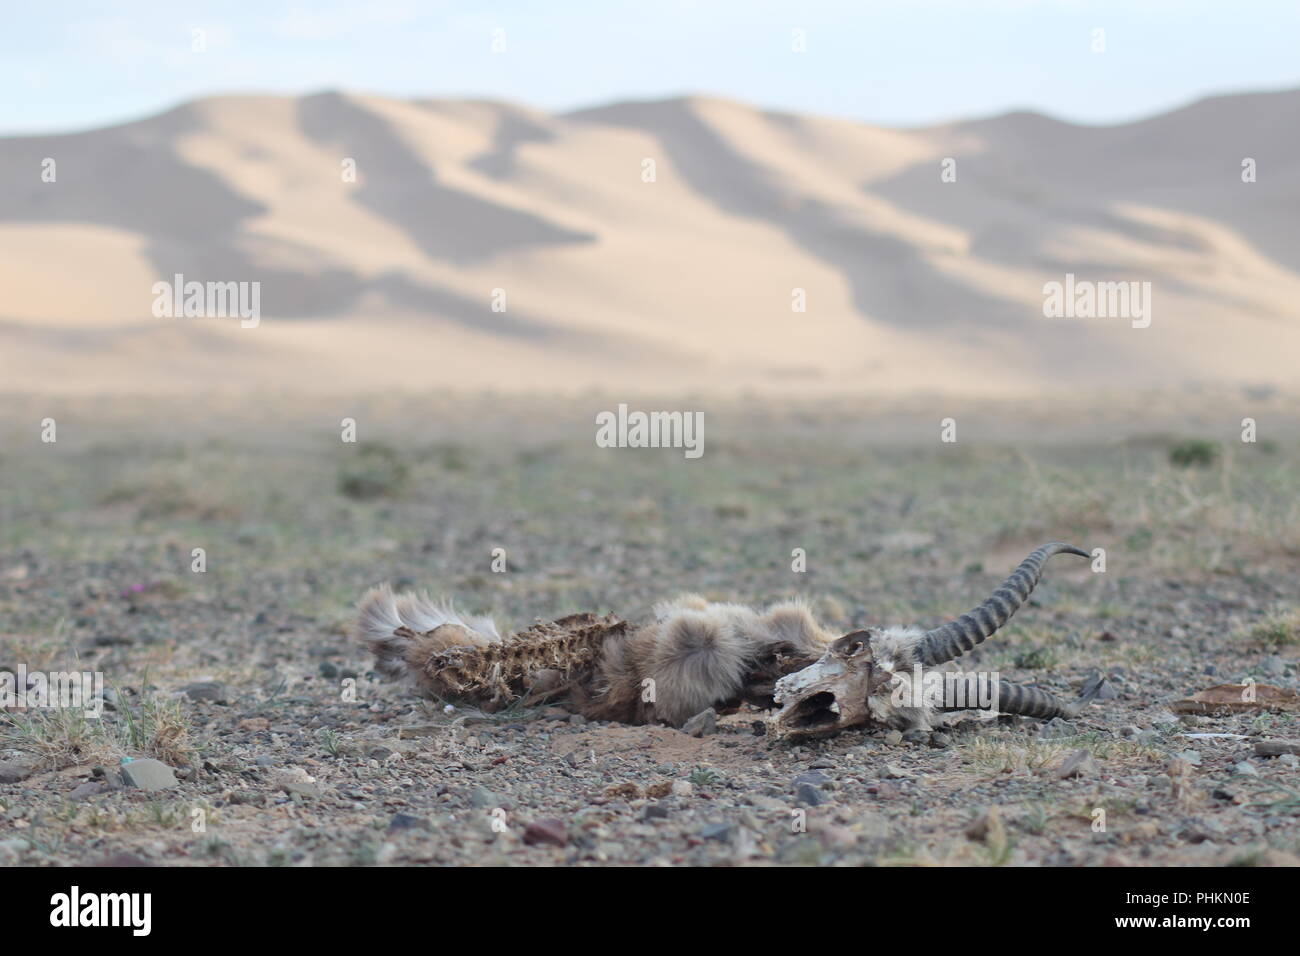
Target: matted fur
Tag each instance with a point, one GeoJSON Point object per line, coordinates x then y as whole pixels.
{"type": "Point", "coordinates": [694, 654]}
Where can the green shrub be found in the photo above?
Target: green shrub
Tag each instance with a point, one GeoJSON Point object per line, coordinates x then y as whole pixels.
{"type": "Point", "coordinates": [1194, 452]}
{"type": "Point", "coordinates": [376, 471]}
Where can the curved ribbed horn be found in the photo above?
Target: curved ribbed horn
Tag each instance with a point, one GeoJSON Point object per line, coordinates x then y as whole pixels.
{"type": "Point", "coordinates": [957, 637]}
{"type": "Point", "coordinates": [1032, 702]}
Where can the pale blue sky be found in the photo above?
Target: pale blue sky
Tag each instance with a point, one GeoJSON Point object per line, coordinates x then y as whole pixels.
{"type": "Point", "coordinates": [66, 64]}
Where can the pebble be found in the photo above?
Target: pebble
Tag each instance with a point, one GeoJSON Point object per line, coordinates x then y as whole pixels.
{"type": "Point", "coordinates": [148, 774]}
{"type": "Point", "coordinates": [14, 771]}
{"type": "Point", "coordinates": [682, 788]}
{"type": "Point", "coordinates": [988, 823]}
{"type": "Point", "coordinates": [1077, 764]}
{"type": "Point", "coordinates": [91, 788]}
{"type": "Point", "coordinates": [1058, 727]}
{"type": "Point", "coordinates": [1273, 666]}
{"type": "Point", "coordinates": [549, 832]}
{"type": "Point", "coordinates": [814, 777]}
{"type": "Point", "coordinates": [206, 690]}
{"type": "Point", "coordinates": [702, 724]}
{"type": "Point", "coordinates": [723, 832]}
{"type": "Point", "coordinates": [1105, 692]}
{"type": "Point", "coordinates": [485, 799]}
{"type": "Point", "coordinates": [405, 821]}
{"type": "Point", "coordinates": [1245, 769]}
{"type": "Point", "coordinates": [809, 795]}
{"type": "Point", "coordinates": [893, 738]}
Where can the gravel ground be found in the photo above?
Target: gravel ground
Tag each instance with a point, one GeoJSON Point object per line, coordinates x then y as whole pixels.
{"type": "Point", "coordinates": [287, 750]}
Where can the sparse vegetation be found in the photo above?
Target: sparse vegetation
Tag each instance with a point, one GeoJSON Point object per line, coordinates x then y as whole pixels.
{"type": "Point", "coordinates": [375, 471]}
{"type": "Point", "coordinates": [1194, 453]}
{"type": "Point", "coordinates": [1197, 558]}
{"type": "Point", "coordinates": [1279, 629]}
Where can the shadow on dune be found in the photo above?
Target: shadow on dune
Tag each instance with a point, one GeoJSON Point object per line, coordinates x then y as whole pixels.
{"type": "Point", "coordinates": [397, 185]}
{"type": "Point", "coordinates": [887, 275]}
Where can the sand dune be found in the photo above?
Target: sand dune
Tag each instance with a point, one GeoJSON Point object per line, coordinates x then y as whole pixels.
{"type": "Point", "coordinates": [388, 280]}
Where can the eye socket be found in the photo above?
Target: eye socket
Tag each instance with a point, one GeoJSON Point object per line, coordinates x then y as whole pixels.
{"type": "Point", "coordinates": [851, 645]}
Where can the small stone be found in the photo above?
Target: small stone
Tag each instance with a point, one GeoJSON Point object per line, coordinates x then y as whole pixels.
{"type": "Point", "coordinates": [1245, 769]}
{"type": "Point", "coordinates": [378, 753]}
{"type": "Point", "coordinates": [655, 811]}
{"type": "Point", "coordinates": [722, 832]}
{"type": "Point", "coordinates": [894, 772]}
{"type": "Point", "coordinates": [702, 724]}
{"type": "Point", "coordinates": [623, 791]}
{"type": "Point", "coordinates": [328, 671]}
{"type": "Point", "coordinates": [254, 724]}
{"type": "Point", "coordinates": [759, 728]}
{"type": "Point", "coordinates": [549, 832]}
{"type": "Point", "coordinates": [808, 795]}
{"type": "Point", "coordinates": [1193, 757]}
{"type": "Point", "coordinates": [13, 848]}
{"type": "Point", "coordinates": [1291, 761]}
{"type": "Point", "coordinates": [1273, 666]}
{"type": "Point", "coordinates": [682, 788]}
{"type": "Point", "coordinates": [1102, 686]}
{"type": "Point", "coordinates": [302, 789]}
{"type": "Point", "coordinates": [987, 824]}
{"type": "Point", "coordinates": [406, 821]}
{"type": "Point", "coordinates": [148, 774]}
{"type": "Point", "coordinates": [834, 837]}
{"type": "Point", "coordinates": [1058, 727]}
{"type": "Point", "coordinates": [814, 777]}
{"type": "Point", "coordinates": [1275, 748]}
{"type": "Point", "coordinates": [917, 737]}
{"type": "Point", "coordinates": [485, 799]}
{"type": "Point", "coordinates": [893, 738]}
{"type": "Point", "coordinates": [577, 720]}
{"type": "Point", "coordinates": [17, 770]}
{"type": "Point", "coordinates": [939, 740]}
{"type": "Point", "coordinates": [205, 690]}
{"type": "Point", "coordinates": [91, 788]}
{"type": "Point", "coordinates": [1078, 764]}
{"type": "Point", "coordinates": [113, 640]}
{"type": "Point", "coordinates": [1202, 830]}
